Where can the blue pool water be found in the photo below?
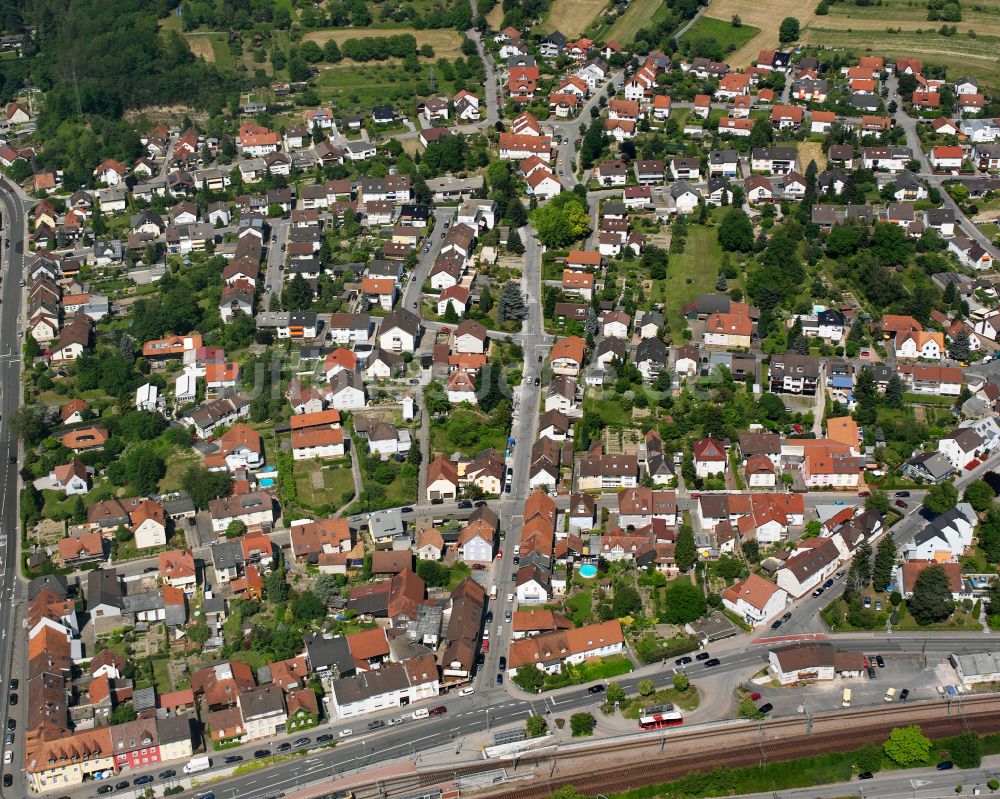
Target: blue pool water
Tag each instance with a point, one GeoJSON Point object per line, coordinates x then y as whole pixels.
{"type": "Point", "coordinates": [267, 482]}
{"type": "Point", "coordinates": [588, 570]}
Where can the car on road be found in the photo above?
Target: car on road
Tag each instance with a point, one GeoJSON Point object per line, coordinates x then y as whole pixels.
{"type": "Point", "coordinates": [871, 673]}
{"type": "Point", "coordinates": [8, 780]}
{"type": "Point", "coordinates": [345, 733]}
{"type": "Point", "coordinates": [538, 381]}
{"type": "Point", "coordinates": [394, 722]}
{"type": "Point", "coordinates": [11, 724]}
{"type": "Point", "coordinates": [426, 250]}
{"type": "Point", "coordinates": [166, 775]}
{"type": "Point", "coordinates": [437, 711]}
{"type": "Point", "coordinates": [500, 679]}
{"type": "Point", "coordinates": [499, 554]}
{"type": "Point", "coordinates": [378, 724]}
{"type": "Point", "coordinates": [702, 656]}
{"type": "Point", "coordinates": [904, 694]}
{"type": "Point", "coordinates": [9, 738]}
{"type": "Point", "coordinates": [828, 584]}
{"type": "Point", "coordinates": [105, 789]}
{"type": "Point", "coordinates": [775, 624]}
{"type": "Point", "coordinates": [818, 591]}
{"type": "Point", "coordinates": [12, 699]}
{"type": "Point", "coordinates": [285, 747]}
{"type": "Point", "coordinates": [443, 235]}
{"type": "Point", "coordinates": [262, 753]}
{"type": "Point", "coordinates": [903, 494]}
{"type": "Point", "coordinates": [864, 494]}
{"type": "Point", "coordinates": [901, 504]}
{"type": "Point", "coordinates": [712, 662]}
{"type": "Point", "coordinates": [865, 775]}
{"type": "Point", "coordinates": [786, 616]}
{"type": "Point", "coordinates": [298, 743]}
{"type": "Point", "coordinates": [465, 504]}
{"type": "Point", "coordinates": [682, 661]}
{"type": "Point", "coordinates": [945, 765]}
{"type": "Point", "coordinates": [233, 759]}
{"type": "Point", "coordinates": [8, 756]}
{"type": "Point", "coordinates": [14, 683]}
{"type": "Point", "coordinates": [766, 708]}
{"type": "Point", "coordinates": [880, 661]}
{"type": "Point", "coordinates": [467, 691]}
{"type": "Point", "coordinates": [755, 696]}
{"type": "Point", "coordinates": [489, 616]}
{"type": "Point", "coordinates": [517, 560]}
{"type": "Point", "coordinates": [121, 786]}
{"type": "Point", "coordinates": [595, 689]}
{"type": "Point", "coordinates": [507, 616]}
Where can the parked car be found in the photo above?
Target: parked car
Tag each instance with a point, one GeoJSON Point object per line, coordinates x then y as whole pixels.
{"type": "Point", "coordinates": [945, 765]}
{"type": "Point", "coordinates": [489, 616]}
{"type": "Point", "coordinates": [345, 733]}
{"type": "Point", "coordinates": [11, 724]}
{"type": "Point", "coordinates": [12, 699]}
{"type": "Point", "coordinates": [865, 775]}
{"type": "Point", "coordinates": [712, 662]}
{"type": "Point", "coordinates": [818, 591]}
{"type": "Point", "coordinates": [121, 786]}
{"type": "Point", "coordinates": [500, 679]}
{"type": "Point", "coordinates": [166, 775]}
{"type": "Point", "coordinates": [775, 624]}
{"type": "Point", "coordinates": [300, 742]}
{"type": "Point", "coordinates": [437, 711]}
{"type": "Point", "coordinates": [105, 789]}
{"type": "Point", "coordinates": [902, 493]}
{"type": "Point", "coordinates": [467, 691]}
{"type": "Point", "coordinates": [880, 661]}
{"type": "Point", "coordinates": [755, 696]}
{"type": "Point", "coordinates": [285, 747]}
{"type": "Point", "coordinates": [682, 661]}
{"type": "Point", "coordinates": [262, 753]}
{"type": "Point", "coordinates": [502, 663]}
{"type": "Point", "coordinates": [828, 584]}
{"type": "Point", "coordinates": [702, 656]}
{"type": "Point", "coordinates": [595, 689]}
{"type": "Point", "coordinates": [378, 724]}
{"type": "Point", "coordinates": [901, 504]}
{"type": "Point", "coordinates": [904, 694]}
{"type": "Point", "coordinates": [766, 708]}
{"type": "Point", "coordinates": [465, 503]}
{"type": "Point", "coordinates": [394, 722]}
{"type": "Point", "coordinates": [8, 780]}
{"type": "Point", "coordinates": [871, 673]}
{"type": "Point", "coordinates": [868, 602]}
{"type": "Point", "coordinates": [233, 759]}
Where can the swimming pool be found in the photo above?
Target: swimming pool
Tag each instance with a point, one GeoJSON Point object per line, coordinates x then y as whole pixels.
{"type": "Point", "coordinates": [267, 482]}
{"type": "Point", "coordinates": [588, 570]}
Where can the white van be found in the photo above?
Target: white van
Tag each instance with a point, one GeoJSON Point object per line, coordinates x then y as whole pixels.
{"type": "Point", "coordinates": [890, 695]}
{"type": "Point", "coordinates": [846, 700]}
{"type": "Point", "coordinates": [422, 713]}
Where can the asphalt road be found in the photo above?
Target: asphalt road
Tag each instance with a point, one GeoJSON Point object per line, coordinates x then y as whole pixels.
{"type": "Point", "coordinates": [12, 260]}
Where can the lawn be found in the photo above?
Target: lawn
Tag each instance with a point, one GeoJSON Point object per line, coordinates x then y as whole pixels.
{"type": "Point", "coordinates": [338, 484]}
{"type": "Point", "coordinates": [610, 410]}
{"type": "Point", "coordinates": [693, 272]}
{"type": "Point", "coordinates": [466, 430]}
{"type": "Point", "coordinates": [177, 465]}
{"type": "Point", "coordinates": [446, 43]}
{"type": "Point", "coordinates": [686, 700]}
{"type": "Point", "coordinates": [722, 31]}
{"type": "Point", "coordinates": [590, 671]}
{"type": "Point", "coordinates": [161, 674]}
{"type": "Point", "coordinates": [213, 47]}
{"type": "Point", "coordinates": [960, 54]}
{"type": "Point", "coordinates": [580, 607]}
{"type": "Point", "coordinates": [353, 87]}
{"type": "Point", "coordinates": [983, 17]}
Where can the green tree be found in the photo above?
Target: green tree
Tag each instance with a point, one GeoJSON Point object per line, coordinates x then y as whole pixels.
{"type": "Point", "coordinates": [877, 500]}
{"type": "Point", "coordinates": [736, 232]}
{"type": "Point", "coordinates": [275, 587]}
{"type": "Point", "coordinates": [931, 601]}
{"type": "Point", "coordinates": [203, 485]}
{"type": "Point", "coordinates": [235, 529]}
{"type": "Point", "coordinates": [907, 745]}
{"type": "Point", "coordinates": [941, 498]}
{"type": "Point", "coordinates": [536, 726]}
{"type": "Point", "coordinates": [885, 562]}
{"type": "Point", "coordinates": [145, 468]}
{"type": "Point", "coordinates": [979, 494]}
{"type": "Point", "coordinates": [123, 713]}
{"type": "Point", "coordinates": [514, 244]}
{"type": "Point", "coordinates": [761, 134]}
{"type": "Point", "coordinates": [960, 349]}
{"type": "Point", "coordinates": [435, 574]}
{"type": "Point", "coordinates": [681, 682]}
{"type": "Point", "coordinates": [684, 602]}
{"type": "Point", "coordinates": [789, 30]}
{"type": "Point", "coordinates": [512, 305]}
{"type": "Point", "coordinates": [529, 678]}
{"type": "Point", "coordinates": [308, 607]}
{"type": "Point", "coordinates": [582, 724]}
{"type": "Point", "coordinates": [645, 687]}
{"type": "Point", "coordinates": [894, 391]}
{"type": "Point", "coordinates": [561, 221]}
{"type": "Point", "coordinates": [685, 553]}
{"type": "Point", "coordinates": [297, 294]}
{"type": "Point", "coordinates": [615, 693]}
{"type": "Point", "coordinates": [328, 587]}
{"type": "Point", "coordinates": [966, 750]}
{"type": "Point", "coordinates": [626, 601]}
{"type": "Point", "coordinates": [594, 141]}
{"type": "Point", "coordinates": [868, 758]}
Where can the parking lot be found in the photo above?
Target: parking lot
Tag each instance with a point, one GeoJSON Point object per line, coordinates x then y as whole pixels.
{"type": "Point", "coordinates": [899, 672]}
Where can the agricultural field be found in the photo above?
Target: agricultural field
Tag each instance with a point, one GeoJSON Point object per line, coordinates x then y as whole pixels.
{"type": "Point", "coordinates": [765, 16]}
{"type": "Point", "coordinates": [983, 17]}
{"type": "Point", "coordinates": [363, 86]}
{"type": "Point", "coordinates": [446, 43]}
{"type": "Point", "coordinates": [495, 17]}
{"type": "Point", "coordinates": [722, 31]}
{"type": "Point", "coordinates": [640, 14]}
{"type": "Point", "coordinates": [960, 54]}
{"type": "Point", "coordinates": [572, 17]}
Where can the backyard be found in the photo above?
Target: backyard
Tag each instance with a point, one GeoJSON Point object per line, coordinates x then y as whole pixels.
{"type": "Point", "coordinates": [468, 431]}
{"type": "Point", "coordinates": [724, 32]}
{"type": "Point", "coordinates": [690, 273]}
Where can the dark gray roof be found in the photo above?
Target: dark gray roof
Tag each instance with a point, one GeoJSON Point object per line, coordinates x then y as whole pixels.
{"type": "Point", "coordinates": [329, 653]}
{"type": "Point", "coordinates": [227, 554]}
{"type": "Point", "coordinates": [104, 588]}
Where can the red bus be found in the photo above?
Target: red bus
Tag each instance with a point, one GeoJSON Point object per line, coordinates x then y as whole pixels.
{"type": "Point", "coordinates": [657, 721]}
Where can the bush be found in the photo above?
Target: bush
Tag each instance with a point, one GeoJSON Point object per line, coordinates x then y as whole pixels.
{"type": "Point", "coordinates": [582, 724]}
{"type": "Point", "coordinates": [681, 682]}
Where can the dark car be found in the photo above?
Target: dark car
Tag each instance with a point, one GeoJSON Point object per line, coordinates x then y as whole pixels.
{"type": "Point", "coordinates": [262, 753]}
{"type": "Point", "coordinates": [712, 662]}
{"type": "Point", "coordinates": [880, 661]}
{"type": "Point", "coordinates": [106, 789]}
{"type": "Point", "coordinates": [818, 591]}
{"type": "Point", "coordinates": [903, 494]}
{"type": "Point", "coordinates": [500, 679]}
{"type": "Point", "coordinates": [11, 724]}
{"type": "Point", "coordinates": [150, 569]}
{"type": "Point", "coordinates": [14, 683]}
{"type": "Point", "coordinates": [901, 504]}
{"type": "Point", "coordinates": [538, 381]}
{"type": "Point", "coordinates": [517, 560]}
{"type": "Point", "coordinates": [865, 775]}
{"type": "Point", "coordinates": [437, 501]}
{"type": "Point", "coordinates": [8, 780]}
{"type": "Point", "coordinates": [871, 673]}
{"type": "Point", "coordinates": [145, 778]}
{"type": "Point", "coordinates": [233, 759]}
{"type": "Point", "coordinates": [502, 663]}
{"type": "Point", "coordinates": [322, 739]}
{"type": "Point", "coordinates": [465, 504]}
{"type": "Point", "coordinates": [378, 724]}
{"type": "Point", "coordinates": [481, 503]}
{"type": "Point", "coordinates": [166, 775]}
{"type": "Point", "coordinates": [775, 624]}
{"type": "Point", "coordinates": [437, 711]}
{"type": "Point", "coordinates": [406, 510]}
{"type": "Point", "coordinates": [702, 656]}
{"type": "Point", "coordinates": [489, 616]}
{"type": "Point", "coordinates": [12, 699]}
{"type": "Point", "coordinates": [945, 765]}
{"type": "Point", "coordinates": [766, 708]}
{"type": "Point", "coordinates": [595, 689]}
{"type": "Point", "coordinates": [286, 747]}
{"type": "Point", "coordinates": [121, 786]}
{"type": "Point", "coordinates": [786, 616]}
{"type": "Point", "coordinates": [828, 584]}
{"type": "Point", "coordinates": [904, 694]}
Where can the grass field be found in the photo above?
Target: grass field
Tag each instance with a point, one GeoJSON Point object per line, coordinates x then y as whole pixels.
{"type": "Point", "coordinates": [722, 31]}
{"type": "Point", "coordinates": [495, 17]}
{"type": "Point", "coordinates": [983, 17]}
{"type": "Point", "coordinates": [446, 43]}
{"type": "Point", "coordinates": [571, 17]}
{"type": "Point", "coordinates": [693, 272]}
{"type": "Point", "coordinates": [638, 16]}
{"type": "Point", "coordinates": [354, 86]}
{"type": "Point", "coordinates": [765, 16]}
{"type": "Point", "coordinates": [960, 54]}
